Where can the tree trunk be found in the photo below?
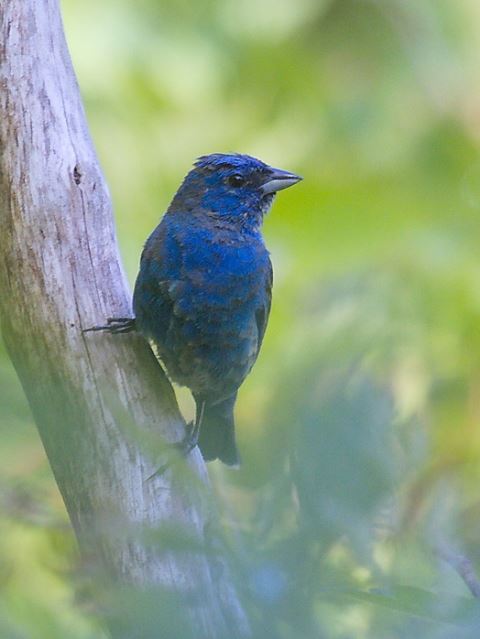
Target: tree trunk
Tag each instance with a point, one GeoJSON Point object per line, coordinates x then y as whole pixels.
{"type": "Point", "coordinates": [90, 394]}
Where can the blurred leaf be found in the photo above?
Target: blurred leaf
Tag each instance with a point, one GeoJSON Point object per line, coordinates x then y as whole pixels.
{"type": "Point", "coordinates": [445, 608]}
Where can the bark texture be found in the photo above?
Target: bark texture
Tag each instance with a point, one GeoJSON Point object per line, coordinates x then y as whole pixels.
{"type": "Point", "coordinates": [59, 273]}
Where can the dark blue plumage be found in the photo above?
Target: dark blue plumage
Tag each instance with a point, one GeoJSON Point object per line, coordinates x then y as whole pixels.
{"type": "Point", "coordinates": [203, 292]}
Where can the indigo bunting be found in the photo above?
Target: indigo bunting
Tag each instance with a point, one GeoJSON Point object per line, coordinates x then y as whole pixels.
{"type": "Point", "coordinates": [203, 293]}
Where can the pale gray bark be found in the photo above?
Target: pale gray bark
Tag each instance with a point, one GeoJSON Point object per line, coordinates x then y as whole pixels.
{"type": "Point", "coordinates": [60, 272]}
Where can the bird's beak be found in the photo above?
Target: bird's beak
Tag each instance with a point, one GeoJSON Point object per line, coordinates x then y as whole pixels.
{"type": "Point", "coordinates": [278, 180]}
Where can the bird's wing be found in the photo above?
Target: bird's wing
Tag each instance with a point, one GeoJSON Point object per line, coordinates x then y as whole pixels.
{"type": "Point", "coordinates": [263, 311]}
{"type": "Point", "coordinates": [157, 287]}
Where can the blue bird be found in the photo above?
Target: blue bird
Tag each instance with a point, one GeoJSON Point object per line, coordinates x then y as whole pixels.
{"type": "Point", "coordinates": [203, 293]}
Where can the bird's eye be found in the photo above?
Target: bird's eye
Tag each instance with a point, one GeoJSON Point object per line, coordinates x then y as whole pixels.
{"type": "Point", "coordinates": [236, 180]}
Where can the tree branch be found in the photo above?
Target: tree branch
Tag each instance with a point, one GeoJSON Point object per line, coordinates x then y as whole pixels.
{"type": "Point", "coordinates": [60, 272]}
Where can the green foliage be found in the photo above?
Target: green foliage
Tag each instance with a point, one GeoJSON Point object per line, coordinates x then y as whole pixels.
{"type": "Point", "coordinates": [359, 424]}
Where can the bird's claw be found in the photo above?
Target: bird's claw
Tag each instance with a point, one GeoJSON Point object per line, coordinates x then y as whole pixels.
{"type": "Point", "coordinates": [114, 325]}
{"type": "Point", "coordinates": [182, 449]}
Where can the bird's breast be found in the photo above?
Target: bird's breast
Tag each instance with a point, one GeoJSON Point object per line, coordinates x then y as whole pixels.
{"type": "Point", "coordinates": [210, 286]}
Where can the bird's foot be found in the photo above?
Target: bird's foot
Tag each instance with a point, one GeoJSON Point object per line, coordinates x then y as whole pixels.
{"type": "Point", "coordinates": [115, 325]}
{"type": "Point", "coordinates": [181, 449]}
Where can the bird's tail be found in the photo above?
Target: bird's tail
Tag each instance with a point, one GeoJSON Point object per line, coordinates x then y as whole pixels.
{"type": "Point", "coordinates": [217, 432]}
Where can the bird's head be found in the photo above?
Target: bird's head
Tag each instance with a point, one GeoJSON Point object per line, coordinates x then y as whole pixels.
{"type": "Point", "coordinates": [238, 189]}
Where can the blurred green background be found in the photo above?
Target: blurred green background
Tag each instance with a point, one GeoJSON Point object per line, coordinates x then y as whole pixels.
{"type": "Point", "coordinates": [359, 426]}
